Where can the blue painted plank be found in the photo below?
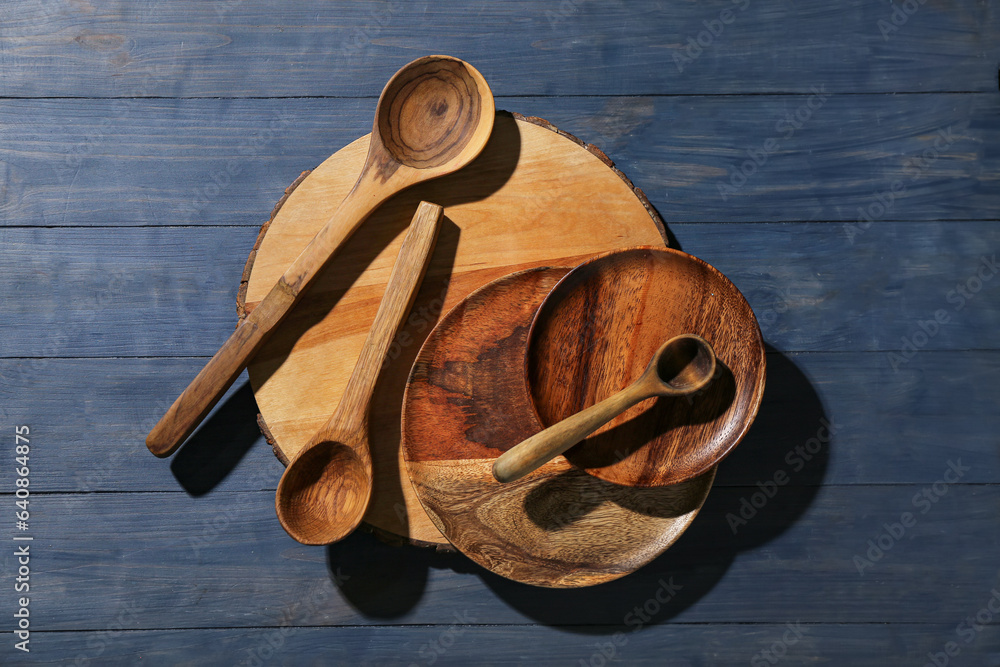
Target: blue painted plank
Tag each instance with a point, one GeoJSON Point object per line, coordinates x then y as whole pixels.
{"type": "Point", "coordinates": [872, 158]}
{"type": "Point", "coordinates": [99, 292]}
{"type": "Point", "coordinates": [463, 645]}
{"type": "Point", "coordinates": [120, 292]}
{"type": "Point", "coordinates": [164, 162]}
{"type": "Point", "coordinates": [848, 418]}
{"type": "Point", "coordinates": [240, 48]}
{"type": "Point", "coordinates": [223, 561]}
{"type": "Point", "coordinates": [813, 289]}
{"type": "Point", "coordinates": [93, 416]}
{"type": "Point", "coordinates": [846, 158]}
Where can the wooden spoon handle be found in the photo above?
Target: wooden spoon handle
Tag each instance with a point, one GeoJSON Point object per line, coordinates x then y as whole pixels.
{"type": "Point", "coordinates": [350, 419]}
{"type": "Point", "coordinates": [540, 448]}
{"type": "Point", "coordinates": [225, 366]}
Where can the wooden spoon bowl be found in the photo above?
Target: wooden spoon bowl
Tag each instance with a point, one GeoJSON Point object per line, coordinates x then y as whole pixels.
{"type": "Point", "coordinates": [594, 336]}
{"type": "Point", "coordinates": [434, 109]}
{"type": "Point", "coordinates": [329, 482]}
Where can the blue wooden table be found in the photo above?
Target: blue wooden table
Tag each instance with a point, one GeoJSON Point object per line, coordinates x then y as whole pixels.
{"type": "Point", "coordinates": [838, 161]}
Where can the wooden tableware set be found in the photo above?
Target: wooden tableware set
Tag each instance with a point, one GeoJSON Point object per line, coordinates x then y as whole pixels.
{"type": "Point", "coordinates": [521, 370]}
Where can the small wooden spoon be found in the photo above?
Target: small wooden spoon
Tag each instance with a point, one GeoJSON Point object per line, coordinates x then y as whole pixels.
{"type": "Point", "coordinates": [434, 117]}
{"type": "Point", "coordinates": [324, 491]}
{"type": "Point", "coordinates": [683, 365]}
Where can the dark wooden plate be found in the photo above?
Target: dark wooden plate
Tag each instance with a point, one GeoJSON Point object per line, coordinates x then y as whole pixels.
{"type": "Point", "coordinates": [600, 326]}
{"type": "Point", "coordinates": [466, 403]}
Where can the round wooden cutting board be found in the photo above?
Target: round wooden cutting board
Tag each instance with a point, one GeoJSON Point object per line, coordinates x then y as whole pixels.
{"type": "Point", "coordinates": [535, 197]}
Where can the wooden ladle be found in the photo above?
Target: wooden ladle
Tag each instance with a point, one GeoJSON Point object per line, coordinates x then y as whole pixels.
{"type": "Point", "coordinates": [324, 491]}
{"type": "Point", "coordinates": [434, 117]}
{"type": "Point", "coordinates": [681, 366]}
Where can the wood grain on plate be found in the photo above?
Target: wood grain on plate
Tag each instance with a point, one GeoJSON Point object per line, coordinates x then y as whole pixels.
{"type": "Point", "coordinates": [534, 197]}
{"type": "Point", "coordinates": [467, 403]}
{"type": "Point", "coordinates": [595, 334]}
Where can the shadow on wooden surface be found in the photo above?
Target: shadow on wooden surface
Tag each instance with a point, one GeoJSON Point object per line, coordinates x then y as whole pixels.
{"type": "Point", "coordinates": [217, 447]}
{"type": "Point", "coordinates": [384, 441]}
{"type": "Point", "coordinates": [384, 582]}
{"type": "Point", "coordinates": [671, 412]}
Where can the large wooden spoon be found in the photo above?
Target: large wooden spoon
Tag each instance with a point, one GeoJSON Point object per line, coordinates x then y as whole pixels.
{"type": "Point", "coordinates": [324, 491]}
{"type": "Point", "coordinates": [682, 366]}
{"type": "Point", "coordinates": [434, 117]}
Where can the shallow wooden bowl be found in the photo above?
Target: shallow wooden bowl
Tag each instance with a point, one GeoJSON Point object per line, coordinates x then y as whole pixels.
{"type": "Point", "coordinates": [596, 332]}
{"type": "Point", "coordinates": [466, 403]}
